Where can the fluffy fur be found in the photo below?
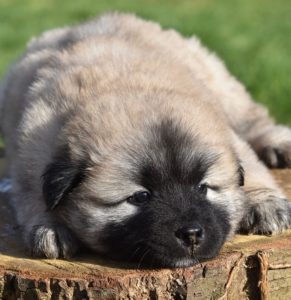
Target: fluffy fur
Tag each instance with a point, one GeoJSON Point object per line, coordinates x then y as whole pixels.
{"type": "Point", "coordinates": [95, 114]}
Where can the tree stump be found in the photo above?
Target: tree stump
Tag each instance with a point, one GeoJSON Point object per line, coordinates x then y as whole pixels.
{"type": "Point", "coordinates": [249, 267]}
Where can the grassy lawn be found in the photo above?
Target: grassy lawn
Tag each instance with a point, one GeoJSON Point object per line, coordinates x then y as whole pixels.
{"type": "Point", "coordinates": [252, 36]}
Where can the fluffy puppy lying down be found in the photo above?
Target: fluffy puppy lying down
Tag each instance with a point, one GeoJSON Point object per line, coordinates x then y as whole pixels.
{"type": "Point", "coordinates": [138, 144]}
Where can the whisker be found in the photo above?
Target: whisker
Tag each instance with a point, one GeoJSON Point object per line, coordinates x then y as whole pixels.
{"type": "Point", "coordinates": [147, 251]}
{"type": "Point", "coordinates": [134, 252]}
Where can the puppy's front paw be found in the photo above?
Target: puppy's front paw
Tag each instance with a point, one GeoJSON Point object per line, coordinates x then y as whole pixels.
{"type": "Point", "coordinates": [267, 217]}
{"type": "Point", "coordinates": [52, 241]}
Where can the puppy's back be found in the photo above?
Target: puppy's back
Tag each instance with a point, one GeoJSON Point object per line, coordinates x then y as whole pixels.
{"type": "Point", "coordinates": [120, 44]}
{"type": "Point", "coordinates": [44, 53]}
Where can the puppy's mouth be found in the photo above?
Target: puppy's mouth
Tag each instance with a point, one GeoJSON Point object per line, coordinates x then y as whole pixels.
{"type": "Point", "coordinates": [146, 257]}
{"type": "Point", "coordinates": [156, 254]}
{"type": "Point", "coordinates": [150, 258]}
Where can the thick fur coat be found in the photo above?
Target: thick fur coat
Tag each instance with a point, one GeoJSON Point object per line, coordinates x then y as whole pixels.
{"type": "Point", "coordinates": [137, 143]}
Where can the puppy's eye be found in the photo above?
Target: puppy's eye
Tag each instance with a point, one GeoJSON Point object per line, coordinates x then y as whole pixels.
{"type": "Point", "coordinates": [139, 198]}
{"type": "Point", "coordinates": [202, 188]}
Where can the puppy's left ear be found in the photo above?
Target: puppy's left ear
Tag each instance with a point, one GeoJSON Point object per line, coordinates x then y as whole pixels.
{"type": "Point", "coordinates": [241, 173]}
{"type": "Point", "coordinates": [60, 177]}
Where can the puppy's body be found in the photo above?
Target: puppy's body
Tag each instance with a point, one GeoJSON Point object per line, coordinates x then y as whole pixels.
{"type": "Point", "coordinates": [96, 113]}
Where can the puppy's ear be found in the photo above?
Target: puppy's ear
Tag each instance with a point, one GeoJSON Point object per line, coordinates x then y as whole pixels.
{"type": "Point", "coordinates": [61, 176]}
{"type": "Point", "coordinates": [241, 172]}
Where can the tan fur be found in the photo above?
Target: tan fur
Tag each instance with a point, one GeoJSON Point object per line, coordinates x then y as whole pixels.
{"type": "Point", "coordinates": [99, 86]}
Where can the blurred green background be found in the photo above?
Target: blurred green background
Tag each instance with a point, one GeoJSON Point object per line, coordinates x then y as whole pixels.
{"type": "Point", "coordinates": [253, 37]}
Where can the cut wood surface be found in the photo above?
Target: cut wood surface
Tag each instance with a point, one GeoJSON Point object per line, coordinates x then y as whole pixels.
{"type": "Point", "coordinates": [249, 267]}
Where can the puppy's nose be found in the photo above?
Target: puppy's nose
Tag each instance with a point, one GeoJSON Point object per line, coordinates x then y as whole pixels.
{"type": "Point", "coordinates": [190, 236]}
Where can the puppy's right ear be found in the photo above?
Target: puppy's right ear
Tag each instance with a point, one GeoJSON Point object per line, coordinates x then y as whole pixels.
{"type": "Point", "coordinates": [60, 177]}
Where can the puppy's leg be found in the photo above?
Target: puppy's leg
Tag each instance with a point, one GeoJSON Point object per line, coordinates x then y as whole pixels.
{"type": "Point", "coordinates": [50, 239]}
{"type": "Point", "coordinates": [267, 209]}
{"type": "Point", "coordinates": [43, 235]}
{"type": "Point", "coordinates": [271, 142]}
{"type": "Point", "coordinates": [250, 120]}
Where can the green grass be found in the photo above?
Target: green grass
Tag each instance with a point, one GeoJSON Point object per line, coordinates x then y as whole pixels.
{"type": "Point", "coordinates": [253, 37]}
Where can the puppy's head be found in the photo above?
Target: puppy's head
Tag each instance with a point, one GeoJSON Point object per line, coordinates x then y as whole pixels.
{"type": "Point", "coordinates": [163, 197]}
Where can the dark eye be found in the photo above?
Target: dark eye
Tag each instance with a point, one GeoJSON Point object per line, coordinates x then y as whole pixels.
{"type": "Point", "coordinates": [202, 188]}
{"type": "Point", "coordinates": [139, 198]}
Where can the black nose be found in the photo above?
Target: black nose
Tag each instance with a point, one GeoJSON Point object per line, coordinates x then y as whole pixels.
{"type": "Point", "coordinates": [190, 236]}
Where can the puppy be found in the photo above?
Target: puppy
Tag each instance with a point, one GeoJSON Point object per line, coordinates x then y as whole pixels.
{"type": "Point", "coordinates": [138, 144]}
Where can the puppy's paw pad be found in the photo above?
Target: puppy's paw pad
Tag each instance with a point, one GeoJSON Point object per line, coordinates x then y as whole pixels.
{"type": "Point", "coordinates": [276, 156]}
{"type": "Point", "coordinates": [52, 242]}
{"type": "Point", "coordinates": [268, 217]}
